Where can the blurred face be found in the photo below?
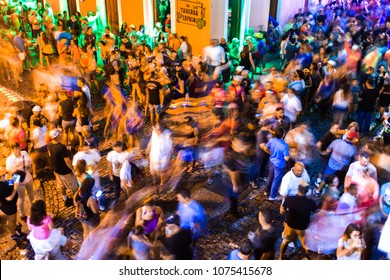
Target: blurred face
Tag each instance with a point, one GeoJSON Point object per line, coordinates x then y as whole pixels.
{"type": "Point", "coordinates": [279, 114]}
{"type": "Point", "coordinates": [16, 151]}
{"type": "Point", "coordinates": [363, 161]}
{"type": "Point", "coordinates": [355, 235]}
{"type": "Point", "coordinates": [334, 129]}
{"type": "Point", "coordinates": [268, 86]}
{"type": "Point", "coordinates": [298, 170]}
{"type": "Point", "coordinates": [180, 199]}
{"type": "Point", "coordinates": [335, 182]}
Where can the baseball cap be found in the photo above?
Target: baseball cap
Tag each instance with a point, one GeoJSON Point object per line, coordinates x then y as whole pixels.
{"type": "Point", "coordinates": [237, 78]}
{"type": "Point", "coordinates": [36, 108]}
{"type": "Point", "coordinates": [351, 135]}
{"type": "Point", "coordinates": [54, 133]}
{"type": "Point", "coordinates": [331, 62]}
{"type": "Point", "coordinates": [132, 26]}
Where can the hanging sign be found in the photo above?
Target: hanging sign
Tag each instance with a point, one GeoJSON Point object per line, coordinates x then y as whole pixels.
{"type": "Point", "coordinates": [191, 13]}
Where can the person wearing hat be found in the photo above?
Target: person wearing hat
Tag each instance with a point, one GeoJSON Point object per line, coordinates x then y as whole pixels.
{"type": "Point", "coordinates": [330, 68]}
{"type": "Point", "coordinates": [177, 240]}
{"type": "Point", "coordinates": [156, 33]}
{"type": "Point", "coordinates": [342, 152]}
{"type": "Point", "coordinates": [115, 159]}
{"type": "Point", "coordinates": [92, 19]}
{"type": "Point", "coordinates": [87, 135]}
{"type": "Point", "coordinates": [62, 166]}
{"type": "Point", "coordinates": [236, 93]}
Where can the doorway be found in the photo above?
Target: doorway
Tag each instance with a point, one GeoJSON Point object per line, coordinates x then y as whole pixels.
{"type": "Point", "coordinates": [273, 8]}
{"type": "Point", "coordinates": [112, 15]}
{"type": "Point", "coordinates": [72, 7]}
{"type": "Point", "coordinates": [234, 19]}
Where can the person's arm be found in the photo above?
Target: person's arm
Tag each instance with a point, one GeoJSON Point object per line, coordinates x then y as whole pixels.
{"type": "Point", "coordinates": [264, 148]}
{"type": "Point", "coordinates": [282, 209]}
{"type": "Point", "coordinates": [161, 93]}
{"type": "Point", "coordinates": [109, 169]}
{"type": "Point", "coordinates": [342, 251]}
{"type": "Point", "coordinates": [12, 195]}
{"type": "Point", "coordinates": [138, 217]}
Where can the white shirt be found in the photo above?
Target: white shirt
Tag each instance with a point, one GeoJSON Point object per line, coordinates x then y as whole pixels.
{"type": "Point", "coordinates": [125, 173]}
{"type": "Point", "coordinates": [290, 183]}
{"type": "Point", "coordinates": [38, 137]}
{"type": "Point", "coordinates": [117, 159]}
{"type": "Point", "coordinates": [92, 157]}
{"type": "Point", "coordinates": [347, 203]}
{"type": "Point", "coordinates": [21, 163]}
{"type": "Point", "coordinates": [292, 105]}
{"type": "Point", "coordinates": [357, 170]}
{"type": "Point", "coordinates": [214, 56]}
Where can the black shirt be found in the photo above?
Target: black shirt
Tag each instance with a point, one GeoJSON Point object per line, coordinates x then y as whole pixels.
{"type": "Point", "coordinates": [154, 92]}
{"type": "Point", "coordinates": [8, 207]}
{"type": "Point", "coordinates": [58, 153]}
{"type": "Point", "coordinates": [368, 96]}
{"type": "Point", "coordinates": [299, 209]}
{"type": "Point", "coordinates": [67, 109]}
{"type": "Point", "coordinates": [179, 245]}
{"type": "Point", "coordinates": [326, 140]}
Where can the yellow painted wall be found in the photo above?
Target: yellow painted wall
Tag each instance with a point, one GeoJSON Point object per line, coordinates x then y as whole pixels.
{"type": "Point", "coordinates": [55, 6]}
{"type": "Point", "coordinates": [133, 12]}
{"type": "Point", "coordinates": [197, 38]}
{"type": "Point", "coordinates": [86, 6]}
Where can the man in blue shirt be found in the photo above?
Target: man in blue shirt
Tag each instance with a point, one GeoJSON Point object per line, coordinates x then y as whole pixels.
{"type": "Point", "coordinates": [279, 151]}
{"type": "Point", "coordinates": [192, 214]}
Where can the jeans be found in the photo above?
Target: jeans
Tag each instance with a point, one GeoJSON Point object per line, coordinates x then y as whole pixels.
{"type": "Point", "coordinates": [364, 121]}
{"type": "Point", "coordinates": [274, 179]}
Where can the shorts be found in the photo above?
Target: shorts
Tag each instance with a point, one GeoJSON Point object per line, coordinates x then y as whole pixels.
{"type": "Point", "coordinates": [68, 124]}
{"type": "Point", "coordinates": [291, 234]}
{"type": "Point", "coordinates": [384, 100]}
{"type": "Point", "coordinates": [68, 181]}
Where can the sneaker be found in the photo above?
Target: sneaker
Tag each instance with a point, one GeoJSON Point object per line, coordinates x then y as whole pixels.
{"type": "Point", "coordinates": [318, 182]}
{"type": "Point", "coordinates": [291, 245]}
{"type": "Point", "coordinates": [253, 185]}
{"type": "Point", "coordinates": [209, 181]}
{"type": "Point", "coordinates": [68, 202]}
{"type": "Point", "coordinates": [276, 198]}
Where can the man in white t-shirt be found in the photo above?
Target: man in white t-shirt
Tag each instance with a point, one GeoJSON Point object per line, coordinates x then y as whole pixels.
{"type": "Point", "coordinates": [292, 179]}
{"type": "Point", "coordinates": [92, 158]}
{"type": "Point", "coordinates": [359, 168]}
{"type": "Point", "coordinates": [292, 105]}
{"type": "Point", "coordinates": [116, 158]}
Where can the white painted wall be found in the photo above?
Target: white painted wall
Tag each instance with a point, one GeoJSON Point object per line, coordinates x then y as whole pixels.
{"type": "Point", "coordinates": [287, 9]}
{"type": "Point", "coordinates": [219, 19]}
{"type": "Point", "coordinates": [259, 13]}
{"type": "Point", "coordinates": [149, 16]}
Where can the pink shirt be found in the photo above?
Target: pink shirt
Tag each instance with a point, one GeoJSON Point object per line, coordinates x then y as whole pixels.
{"type": "Point", "coordinates": [41, 232]}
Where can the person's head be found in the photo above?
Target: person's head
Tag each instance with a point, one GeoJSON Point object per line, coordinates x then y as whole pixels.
{"type": "Point", "coordinates": [245, 247]}
{"type": "Point", "coordinates": [16, 149]}
{"type": "Point", "coordinates": [303, 189]}
{"type": "Point", "coordinates": [352, 189]}
{"type": "Point", "coordinates": [265, 216]}
{"type": "Point", "coordinates": [279, 113]}
{"type": "Point", "coordinates": [38, 212]}
{"type": "Point", "coordinates": [352, 231]}
{"type": "Point", "coordinates": [86, 187]}
{"type": "Point", "coordinates": [298, 169]}
{"type": "Point", "coordinates": [183, 196]}
{"type": "Point", "coordinates": [364, 158]}
{"type": "Point", "coordinates": [118, 146]}
{"type": "Point", "coordinates": [279, 132]}
{"type": "Point", "coordinates": [81, 167]}
{"type": "Point", "coordinates": [332, 180]}
{"type": "Point", "coordinates": [36, 110]}
{"type": "Point", "coordinates": [14, 121]}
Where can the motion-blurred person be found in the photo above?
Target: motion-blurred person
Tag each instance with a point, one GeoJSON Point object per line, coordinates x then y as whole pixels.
{"type": "Point", "coordinates": [39, 148]}
{"type": "Point", "coordinates": [19, 162]}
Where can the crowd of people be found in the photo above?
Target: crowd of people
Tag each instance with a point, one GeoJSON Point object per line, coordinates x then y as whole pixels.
{"type": "Point", "coordinates": [235, 116]}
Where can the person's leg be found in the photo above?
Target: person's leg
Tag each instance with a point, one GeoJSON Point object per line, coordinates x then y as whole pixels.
{"type": "Point", "coordinates": [367, 122]}
{"type": "Point", "coordinates": [30, 191]}
{"type": "Point", "coordinates": [85, 230]}
{"type": "Point", "coordinates": [279, 172]}
{"type": "Point", "coordinates": [11, 223]}
{"type": "Point", "coordinates": [270, 178]}
{"type": "Point", "coordinates": [361, 119]}
{"type": "Point", "coordinates": [301, 237]}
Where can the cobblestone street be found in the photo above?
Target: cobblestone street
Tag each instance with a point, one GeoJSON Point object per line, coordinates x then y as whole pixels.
{"type": "Point", "coordinates": [224, 230]}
